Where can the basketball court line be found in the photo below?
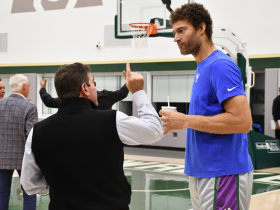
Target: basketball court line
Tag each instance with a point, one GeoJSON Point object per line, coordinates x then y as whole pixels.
{"type": "Point", "coordinates": [276, 184]}
{"type": "Point", "coordinates": [272, 191]}
{"type": "Point", "coordinates": [160, 190]}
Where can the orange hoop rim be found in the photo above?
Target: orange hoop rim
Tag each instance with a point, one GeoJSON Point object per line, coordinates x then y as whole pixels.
{"type": "Point", "coordinates": [151, 29]}
{"type": "Point", "coordinates": [144, 25]}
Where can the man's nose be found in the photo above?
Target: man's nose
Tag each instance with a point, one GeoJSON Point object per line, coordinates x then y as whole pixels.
{"type": "Point", "coordinates": [176, 38]}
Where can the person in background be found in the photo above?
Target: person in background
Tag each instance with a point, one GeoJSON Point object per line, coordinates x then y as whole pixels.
{"type": "Point", "coordinates": [106, 99]}
{"type": "Point", "coordinates": [276, 114]}
{"type": "Point", "coordinates": [2, 89]}
{"type": "Point", "coordinates": [17, 116]}
{"type": "Point", "coordinates": [76, 155]}
{"type": "Point", "coordinates": [217, 161]}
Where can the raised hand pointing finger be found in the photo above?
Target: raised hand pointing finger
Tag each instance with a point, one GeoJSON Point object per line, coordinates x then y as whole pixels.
{"type": "Point", "coordinates": [134, 81]}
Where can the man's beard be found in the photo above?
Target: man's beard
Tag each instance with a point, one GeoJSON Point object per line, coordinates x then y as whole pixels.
{"type": "Point", "coordinates": [192, 46]}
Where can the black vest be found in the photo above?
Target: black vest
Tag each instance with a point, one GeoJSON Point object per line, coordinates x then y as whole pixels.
{"type": "Point", "coordinates": [81, 156]}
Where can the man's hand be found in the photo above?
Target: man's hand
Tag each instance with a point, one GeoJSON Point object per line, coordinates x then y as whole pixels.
{"type": "Point", "coordinates": [133, 81]}
{"type": "Point", "coordinates": [277, 125]}
{"type": "Point", "coordinates": [172, 121]}
{"type": "Point", "coordinates": [43, 84]}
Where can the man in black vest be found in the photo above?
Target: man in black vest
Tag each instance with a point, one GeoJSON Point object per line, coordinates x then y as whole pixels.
{"type": "Point", "coordinates": [76, 155]}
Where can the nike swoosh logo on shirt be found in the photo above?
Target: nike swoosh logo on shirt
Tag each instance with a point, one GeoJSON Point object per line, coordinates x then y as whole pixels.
{"type": "Point", "coordinates": [231, 88]}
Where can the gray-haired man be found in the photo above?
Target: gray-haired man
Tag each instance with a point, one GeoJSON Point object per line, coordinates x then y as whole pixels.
{"type": "Point", "coordinates": [17, 117]}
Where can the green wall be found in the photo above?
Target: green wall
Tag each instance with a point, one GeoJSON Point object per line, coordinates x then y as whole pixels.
{"type": "Point", "coordinates": [119, 67]}
{"type": "Point", "coordinates": [256, 63]}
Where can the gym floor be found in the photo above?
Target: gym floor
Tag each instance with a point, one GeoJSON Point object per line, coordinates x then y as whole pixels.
{"type": "Point", "coordinates": [158, 183]}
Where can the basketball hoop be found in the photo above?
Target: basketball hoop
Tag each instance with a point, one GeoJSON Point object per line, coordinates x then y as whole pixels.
{"type": "Point", "coordinates": [139, 35]}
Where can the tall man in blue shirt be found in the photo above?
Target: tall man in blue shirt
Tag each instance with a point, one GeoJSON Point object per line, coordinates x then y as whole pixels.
{"type": "Point", "coordinates": [217, 161]}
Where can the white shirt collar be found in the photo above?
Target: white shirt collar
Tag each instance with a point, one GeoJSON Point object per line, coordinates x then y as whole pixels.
{"type": "Point", "coordinates": [19, 94]}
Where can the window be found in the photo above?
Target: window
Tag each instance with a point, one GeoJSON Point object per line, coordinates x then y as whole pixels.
{"type": "Point", "coordinates": [110, 83]}
{"type": "Point", "coordinates": [177, 87]}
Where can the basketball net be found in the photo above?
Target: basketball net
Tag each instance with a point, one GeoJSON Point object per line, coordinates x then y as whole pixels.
{"type": "Point", "coordinates": [141, 33]}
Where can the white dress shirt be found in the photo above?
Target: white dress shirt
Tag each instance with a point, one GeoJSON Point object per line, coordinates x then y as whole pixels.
{"type": "Point", "coordinates": [146, 129]}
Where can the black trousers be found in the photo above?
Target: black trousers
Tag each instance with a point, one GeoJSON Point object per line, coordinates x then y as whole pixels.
{"type": "Point", "coordinates": [126, 208]}
{"type": "Point", "coordinates": [29, 201]}
{"type": "Point", "coordinates": [277, 134]}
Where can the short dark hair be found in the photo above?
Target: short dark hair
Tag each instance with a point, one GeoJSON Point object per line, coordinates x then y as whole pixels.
{"type": "Point", "coordinates": [68, 80]}
{"type": "Point", "coordinates": [0, 79]}
{"type": "Point", "coordinates": [196, 14]}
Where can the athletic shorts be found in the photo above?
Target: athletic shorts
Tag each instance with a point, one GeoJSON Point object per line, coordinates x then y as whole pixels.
{"type": "Point", "coordinates": [231, 192]}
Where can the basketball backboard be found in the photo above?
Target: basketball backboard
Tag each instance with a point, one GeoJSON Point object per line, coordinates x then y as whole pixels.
{"type": "Point", "coordinates": [145, 11]}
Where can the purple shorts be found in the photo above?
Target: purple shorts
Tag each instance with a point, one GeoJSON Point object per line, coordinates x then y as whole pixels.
{"type": "Point", "coordinates": [232, 192]}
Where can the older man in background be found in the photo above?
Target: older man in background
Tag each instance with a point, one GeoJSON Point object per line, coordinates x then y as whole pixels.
{"type": "Point", "coordinates": [17, 117]}
{"type": "Point", "coordinates": [2, 89]}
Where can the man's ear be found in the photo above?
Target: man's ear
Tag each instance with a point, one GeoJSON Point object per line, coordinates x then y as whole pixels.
{"type": "Point", "coordinates": [24, 86]}
{"type": "Point", "coordinates": [84, 90]}
{"type": "Point", "coordinates": [202, 28]}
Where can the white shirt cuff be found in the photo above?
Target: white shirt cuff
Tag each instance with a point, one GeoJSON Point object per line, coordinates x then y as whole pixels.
{"type": "Point", "coordinates": [140, 97]}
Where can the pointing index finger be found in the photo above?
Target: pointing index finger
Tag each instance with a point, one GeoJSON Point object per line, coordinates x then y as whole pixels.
{"type": "Point", "coordinates": [128, 71]}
